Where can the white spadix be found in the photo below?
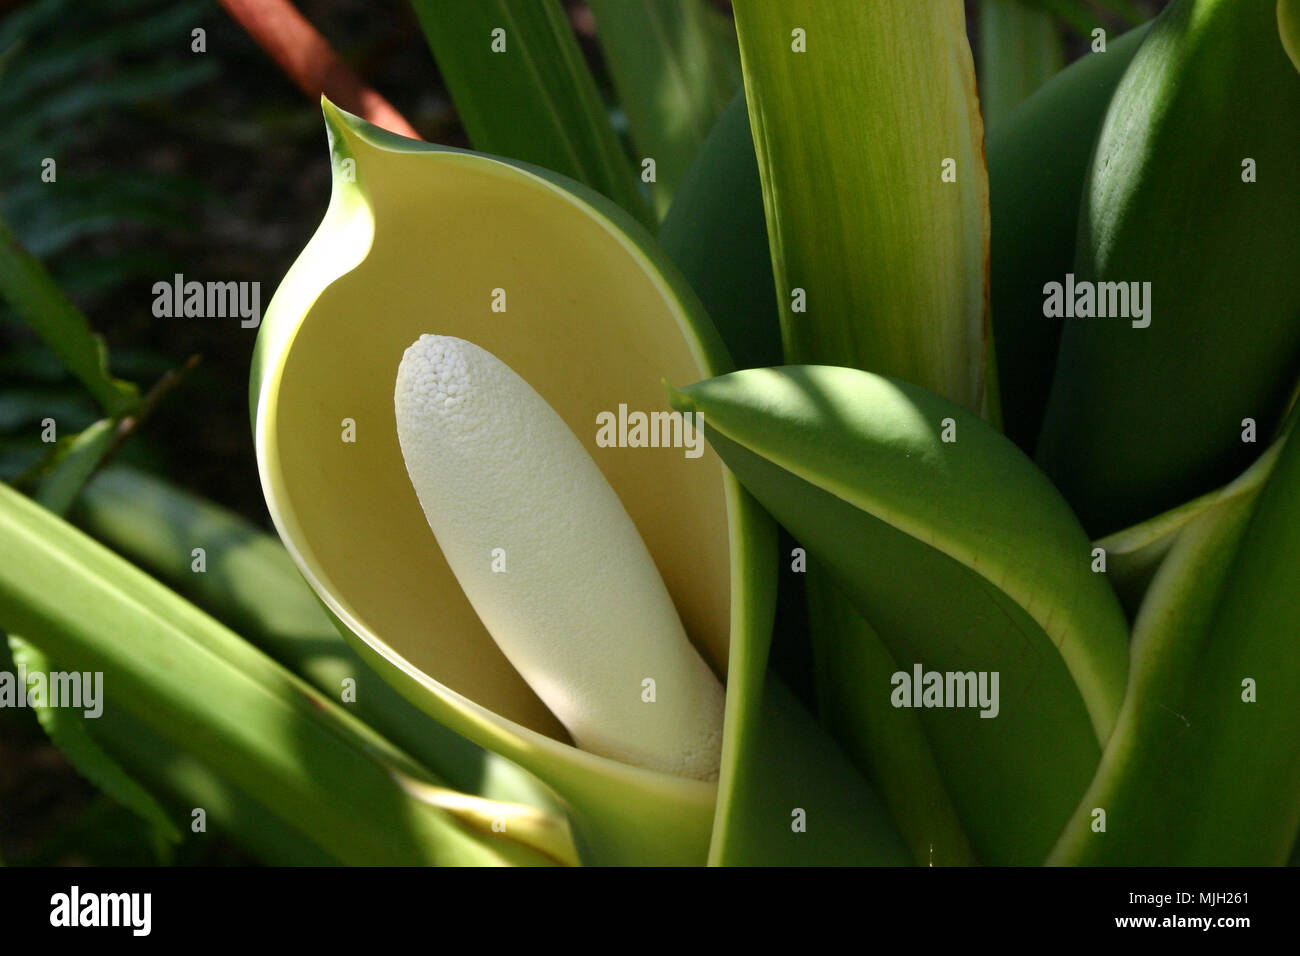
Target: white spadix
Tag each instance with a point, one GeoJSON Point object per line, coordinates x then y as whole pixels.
{"type": "Point", "coordinates": [551, 562]}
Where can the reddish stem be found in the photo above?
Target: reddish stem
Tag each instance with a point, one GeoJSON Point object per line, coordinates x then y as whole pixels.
{"type": "Point", "coordinates": [307, 58]}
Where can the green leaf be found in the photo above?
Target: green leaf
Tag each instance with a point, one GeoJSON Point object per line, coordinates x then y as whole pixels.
{"type": "Point", "coordinates": [535, 101]}
{"type": "Point", "coordinates": [673, 74]}
{"type": "Point", "coordinates": [204, 690]}
{"type": "Point", "coordinates": [892, 258]}
{"type": "Point", "coordinates": [67, 729]}
{"type": "Point", "coordinates": [1020, 49]}
{"type": "Point", "coordinates": [1196, 773]}
{"type": "Point", "coordinates": [888, 744]}
{"type": "Point", "coordinates": [962, 557]}
{"type": "Point", "coordinates": [1142, 419]}
{"type": "Point", "coordinates": [1038, 162]}
{"type": "Point", "coordinates": [39, 303]}
{"type": "Point", "coordinates": [75, 464]}
{"type": "Point", "coordinates": [716, 234]}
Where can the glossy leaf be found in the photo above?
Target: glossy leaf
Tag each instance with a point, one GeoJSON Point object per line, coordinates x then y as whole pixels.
{"type": "Point", "coordinates": [1171, 200]}
{"type": "Point", "coordinates": [1204, 766]}
{"type": "Point", "coordinates": [961, 556]}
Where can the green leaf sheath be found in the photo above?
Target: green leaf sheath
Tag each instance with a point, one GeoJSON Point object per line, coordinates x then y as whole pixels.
{"type": "Point", "coordinates": [852, 137]}
{"type": "Point", "coordinates": [205, 690]}
{"type": "Point", "coordinates": [534, 101]}
{"type": "Point", "coordinates": [962, 557]}
{"type": "Point", "coordinates": [1038, 161]}
{"type": "Point", "coordinates": [716, 234]}
{"type": "Point", "coordinates": [1142, 419]}
{"type": "Point", "coordinates": [32, 293]}
{"type": "Point", "coordinates": [1197, 774]}
{"type": "Point", "coordinates": [673, 74]}
{"type": "Point", "coordinates": [1020, 49]}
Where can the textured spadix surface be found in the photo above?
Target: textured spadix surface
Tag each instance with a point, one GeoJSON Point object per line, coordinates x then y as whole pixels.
{"type": "Point", "coordinates": [551, 562]}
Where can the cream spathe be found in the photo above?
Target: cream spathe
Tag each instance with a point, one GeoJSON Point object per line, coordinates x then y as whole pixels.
{"type": "Point", "coordinates": [551, 562]}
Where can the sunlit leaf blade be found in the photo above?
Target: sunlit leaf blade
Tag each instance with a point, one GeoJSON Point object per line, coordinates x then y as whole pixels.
{"type": "Point", "coordinates": [892, 259]}
{"type": "Point", "coordinates": [535, 100]}
{"type": "Point", "coordinates": [203, 689]}
{"type": "Point", "coordinates": [1038, 161]}
{"type": "Point", "coordinates": [1204, 766]}
{"type": "Point", "coordinates": [1020, 49]}
{"type": "Point", "coordinates": [37, 300]}
{"type": "Point", "coordinates": [251, 584]}
{"type": "Point", "coordinates": [673, 75]}
{"type": "Point", "coordinates": [66, 727]}
{"type": "Point", "coordinates": [962, 557]}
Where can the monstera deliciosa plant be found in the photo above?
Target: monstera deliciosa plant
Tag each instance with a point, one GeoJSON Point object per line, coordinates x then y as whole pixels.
{"type": "Point", "coordinates": [990, 551]}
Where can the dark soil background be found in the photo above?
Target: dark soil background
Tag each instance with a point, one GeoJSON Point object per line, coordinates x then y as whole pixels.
{"type": "Point", "coordinates": [210, 164]}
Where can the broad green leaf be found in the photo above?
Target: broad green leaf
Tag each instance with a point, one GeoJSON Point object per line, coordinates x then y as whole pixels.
{"type": "Point", "coordinates": [1020, 49]}
{"type": "Point", "coordinates": [1038, 161]}
{"type": "Point", "coordinates": [716, 234]}
{"type": "Point", "coordinates": [205, 690]}
{"type": "Point", "coordinates": [251, 584]}
{"type": "Point", "coordinates": [523, 90]}
{"type": "Point", "coordinates": [66, 727]}
{"type": "Point", "coordinates": [36, 299]}
{"type": "Point", "coordinates": [854, 137]}
{"type": "Point", "coordinates": [1192, 197]}
{"type": "Point", "coordinates": [673, 75]}
{"type": "Point", "coordinates": [1204, 765]}
{"type": "Point", "coordinates": [962, 557]}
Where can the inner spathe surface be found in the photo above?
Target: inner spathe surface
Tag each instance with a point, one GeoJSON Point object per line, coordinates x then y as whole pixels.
{"type": "Point", "coordinates": [584, 325]}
